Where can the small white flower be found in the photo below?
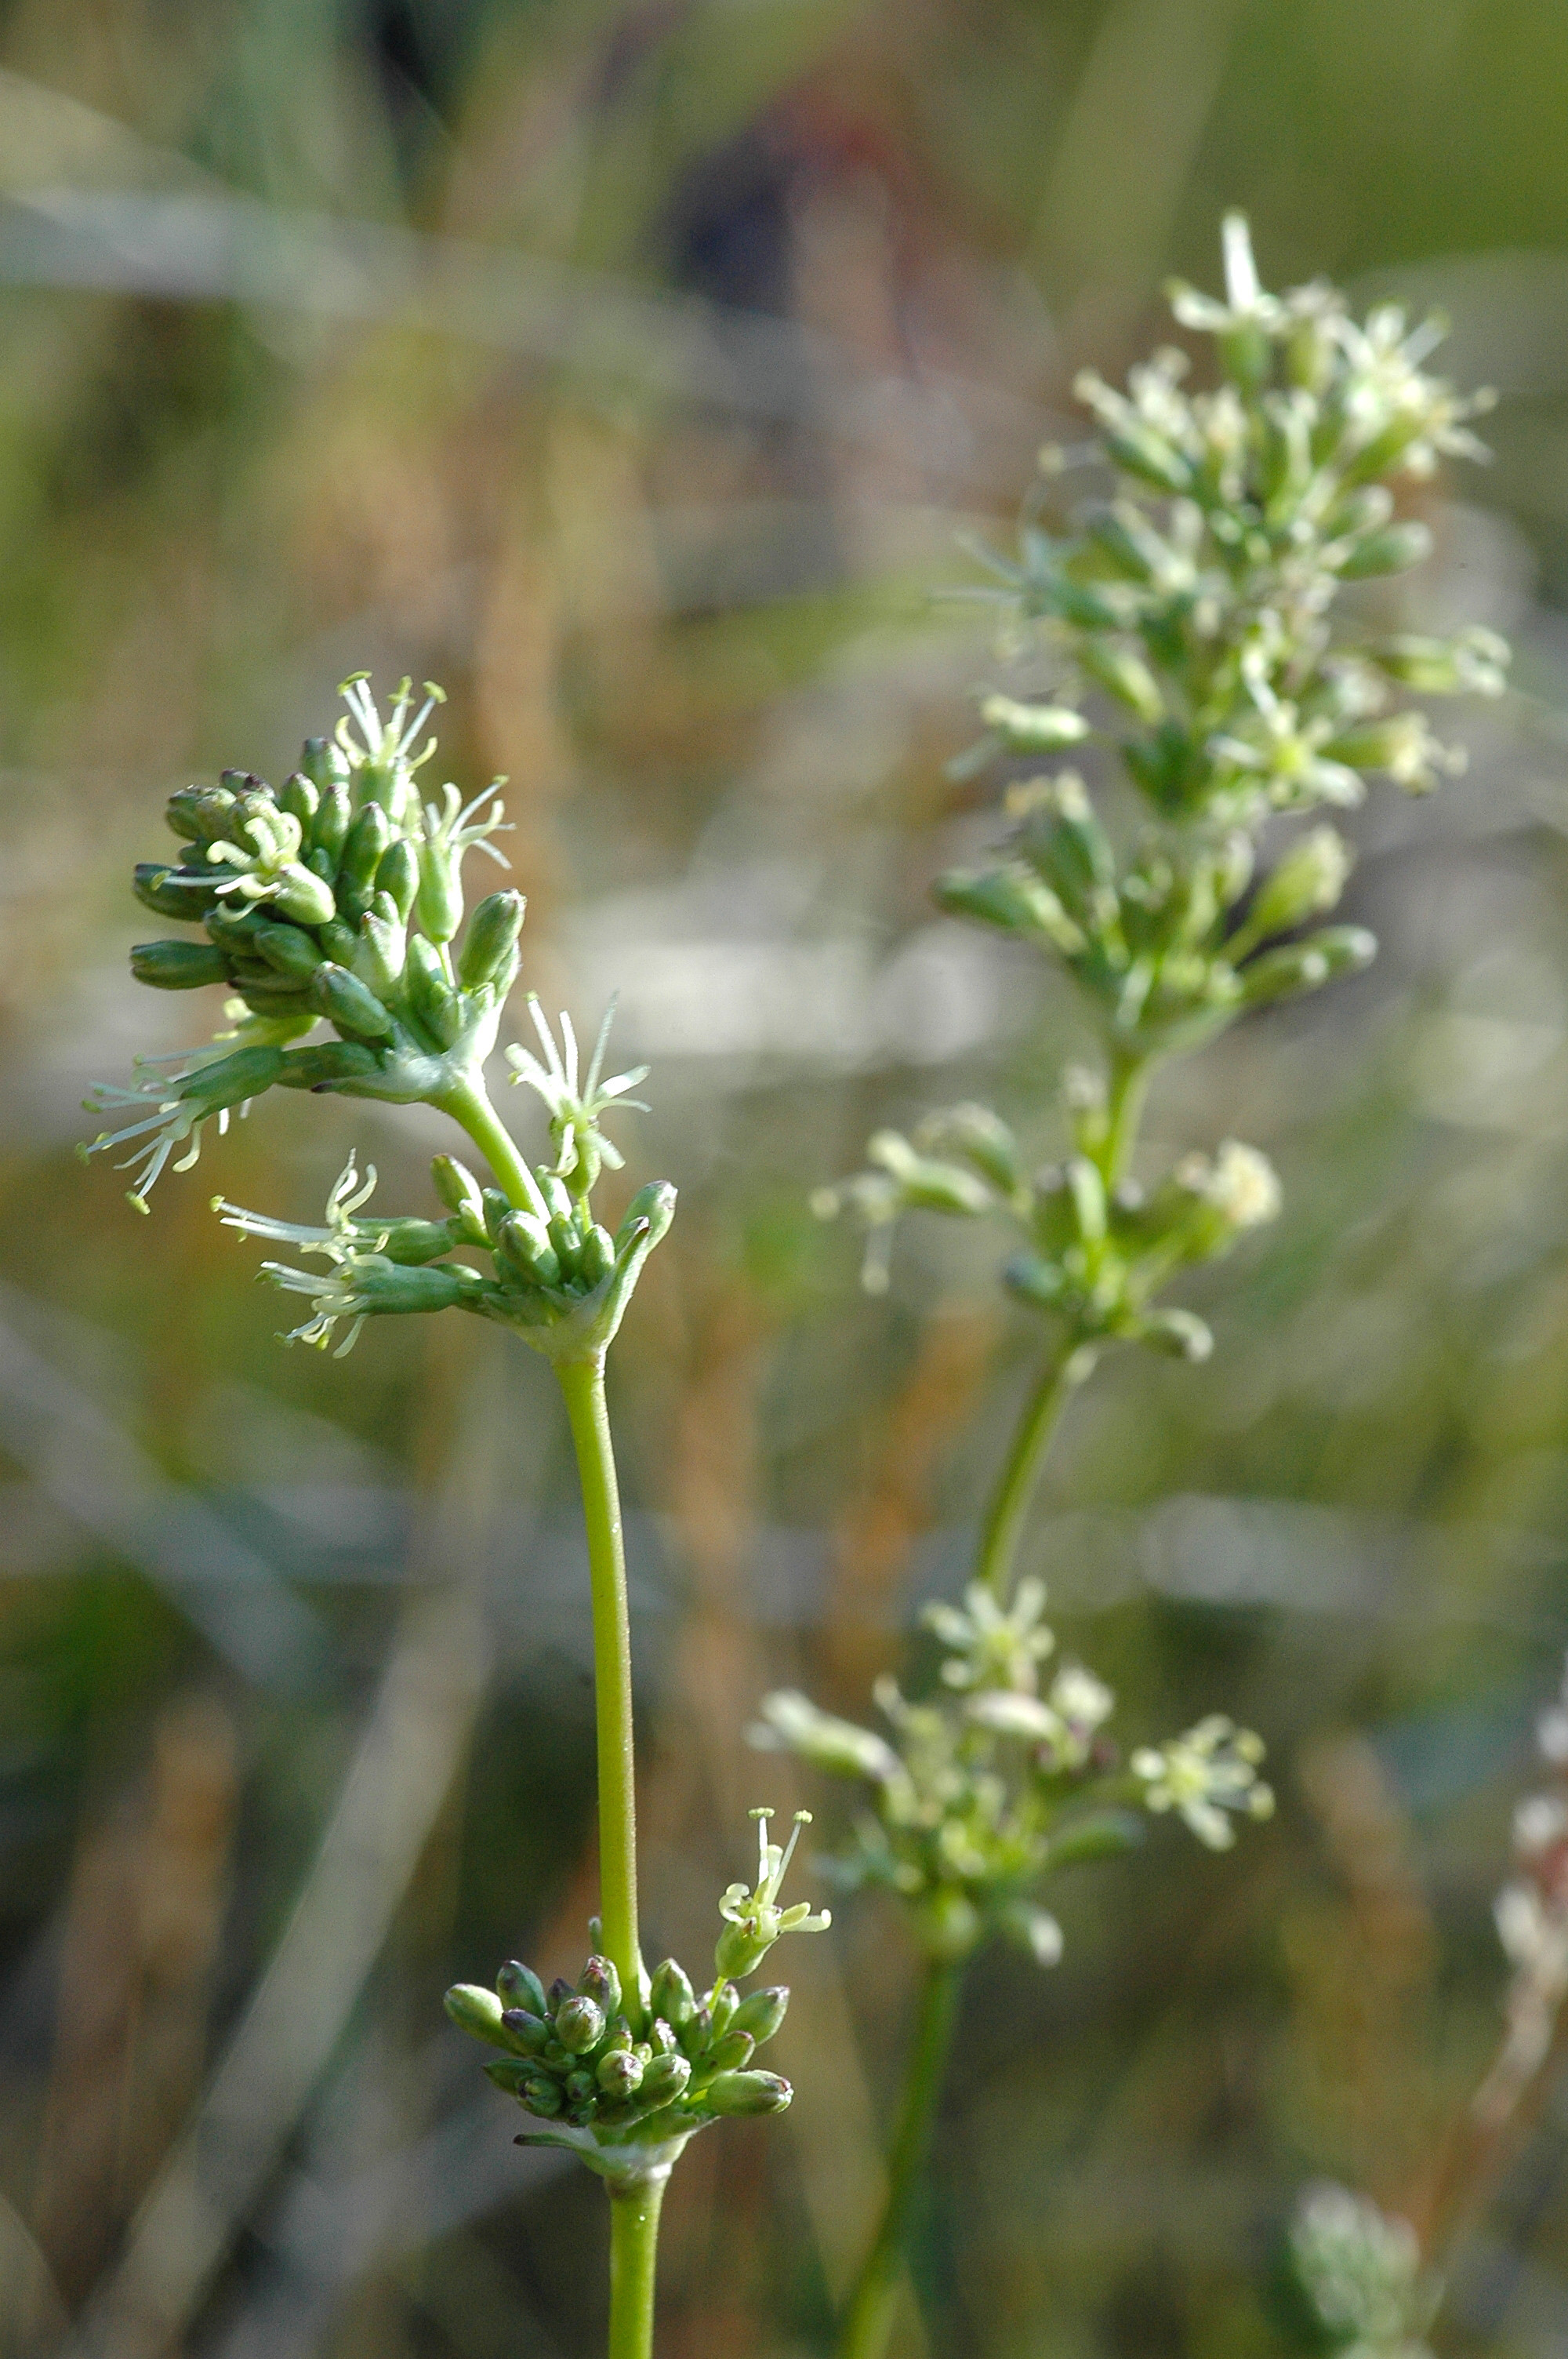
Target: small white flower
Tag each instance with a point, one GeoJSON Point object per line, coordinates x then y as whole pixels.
{"type": "Point", "coordinates": [1205, 1775]}
{"type": "Point", "coordinates": [991, 1645]}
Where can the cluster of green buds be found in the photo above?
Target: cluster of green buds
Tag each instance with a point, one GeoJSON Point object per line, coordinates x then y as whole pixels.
{"type": "Point", "coordinates": [1092, 1254]}
{"type": "Point", "coordinates": [549, 1270]}
{"type": "Point", "coordinates": [624, 2078]}
{"type": "Point", "coordinates": [1191, 605]}
{"type": "Point", "coordinates": [1354, 2282]}
{"type": "Point", "coordinates": [995, 1780]}
{"type": "Point", "coordinates": [336, 900]}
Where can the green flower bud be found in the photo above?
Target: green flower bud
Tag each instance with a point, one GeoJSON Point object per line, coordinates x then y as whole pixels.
{"type": "Point", "coordinates": [839, 1746]}
{"type": "Point", "coordinates": [177, 966]}
{"type": "Point", "coordinates": [398, 875]}
{"type": "Point", "coordinates": [1064, 842]}
{"type": "Point", "coordinates": [544, 2097]}
{"type": "Point", "coordinates": [345, 1001]}
{"type": "Point", "coordinates": [722, 2007]}
{"type": "Point", "coordinates": [1126, 540]}
{"type": "Point", "coordinates": [1124, 676]}
{"type": "Point", "coordinates": [1475, 662]}
{"type": "Point", "coordinates": [338, 941]}
{"type": "Point", "coordinates": [322, 1067]}
{"type": "Point", "coordinates": [620, 2074]}
{"type": "Point", "coordinates": [664, 2079]}
{"type": "Point", "coordinates": [923, 1184]}
{"type": "Point", "coordinates": [381, 948]}
{"type": "Point", "coordinates": [290, 950]}
{"type": "Point", "coordinates": [601, 1983]}
{"type": "Point", "coordinates": [235, 930]}
{"type": "Point", "coordinates": [1307, 881]}
{"type": "Point", "coordinates": [761, 2014]}
{"type": "Point", "coordinates": [439, 905]}
{"type": "Point", "coordinates": [435, 1005]}
{"type": "Point", "coordinates": [478, 2012]}
{"type": "Point", "coordinates": [302, 896]}
{"type": "Point", "coordinates": [581, 2085]}
{"type": "Point", "coordinates": [526, 1252]}
{"type": "Point", "coordinates": [1393, 550]}
{"type": "Point", "coordinates": [363, 850]}
{"type": "Point", "coordinates": [324, 764]}
{"type": "Point", "coordinates": [489, 936]}
{"type": "Point", "coordinates": [732, 2051]}
{"type": "Point", "coordinates": [188, 818]}
{"type": "Point", "coordinates": [1307, 965]}
{"type": "Point", "coordinates": [747, 2092]}
{"type": "Point", "coordinates": [579, 2025]}
{"type": "Point", "coordinates": [671, 1994]}
{"type": "Point", "coordinates": [1012, 899]}
{"type": "Point", "coordinates": [330, 828]}
{"type": "Point", "coordinates": [302, 800]}
{"type": "Point", "coordinates": [173, 892]}
{"type": "Point", "coordinates": [1032, 728]}
{"type": "Point", "coordinates": [519, 1985]}
{"type": "Point", "coordinates": [530, 2032]}
{"type": "Point", "coordinates": [511, 2074]}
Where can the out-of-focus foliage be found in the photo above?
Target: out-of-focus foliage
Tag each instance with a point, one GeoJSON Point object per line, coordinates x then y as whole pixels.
{"type": "Point", "coordinates": [632, 372]}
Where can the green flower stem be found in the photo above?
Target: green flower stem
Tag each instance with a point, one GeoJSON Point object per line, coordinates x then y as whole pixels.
{"type": "Point", "coordinates": [470, 1108]}
{"type": "Point", "coordinates": [868, 2321]}
{"type": "Point", "coordinates": [1126, 1094]}
{"type": "Point", "coordinates": [633, 2247]}
{"type": "Point", "coordinates": [1008, 1509]}
{"type": "Point", "coordinates": [582, 1382]}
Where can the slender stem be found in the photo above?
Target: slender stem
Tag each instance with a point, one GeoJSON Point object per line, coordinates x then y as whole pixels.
{"type": "Point", "coordinates": [582, 1382]}
{"type": "Point", "coordinates": [469, 1106]}
{"type": "Point", "coordinates": [1003, 1525]}
{"type": "Point", "coordinates": [867, 2322]}
{"type": "Point", "coordinates": [1126, 1092]}
{"type": "Point", "coordinates": [633, 2249]}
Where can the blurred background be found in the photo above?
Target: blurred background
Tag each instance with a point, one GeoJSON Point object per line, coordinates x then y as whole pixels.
{"type": "Point", "coordinates": [636, 371]}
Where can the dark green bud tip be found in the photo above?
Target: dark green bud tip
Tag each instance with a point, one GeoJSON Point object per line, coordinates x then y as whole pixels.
{"type": "Point", "coordinates": [761, 2014]}
{"type": "Point", "coordinates": [664, 2079]}
{"type": "Point", "coordinates": [747, 2092]}
{"type": "Point", "coordinates": [476, 2012]}
{"type": "Point", "coordinates": [620, 2074]}
{"type": "Point", "coordinates": [177, 966]}
{"type": "Point", "coordinates": [732, 2051]}
{"type": "Point", "coordinates": [530, 2032]}
{"type": "Point", "coordinates": [579, 2025]}
{"type": "Point", "coordinates": [601, 1984]}
{"type": "Point", "coordinates": [672, 1995]}
{"type": "Point", "coordinates": [519, 1985]}
{"type": "Point", "coordinates": [511, 2073]}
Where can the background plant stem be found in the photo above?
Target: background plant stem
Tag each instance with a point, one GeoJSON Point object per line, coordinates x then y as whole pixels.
{"type": "Point", "coordinates": [633, 2247]}
{"type": "Point", "coordinates": [869, 2319]}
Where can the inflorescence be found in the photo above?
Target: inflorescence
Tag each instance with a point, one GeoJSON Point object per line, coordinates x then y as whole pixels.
{"type": "Point", "coordinates": [625, 2077]}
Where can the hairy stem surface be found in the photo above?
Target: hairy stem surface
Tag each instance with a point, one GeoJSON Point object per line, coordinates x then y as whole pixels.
{"type": "Point", "coordinates": [633, 2247]}
{"type": "Point", "coordinates": [867, 2322]}
{"type": "Point", "coordinates": [582, 1382]}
